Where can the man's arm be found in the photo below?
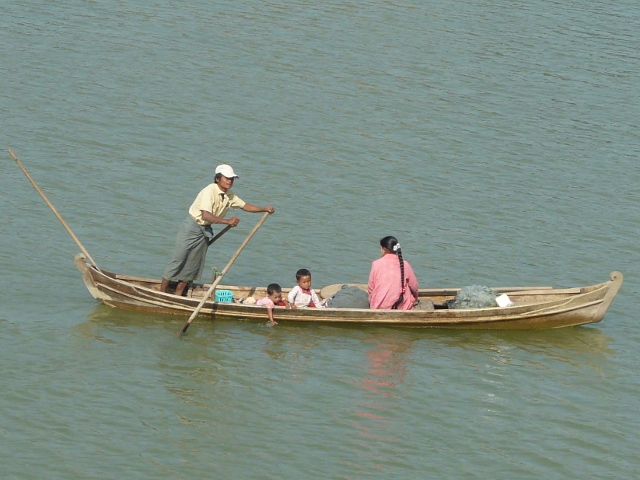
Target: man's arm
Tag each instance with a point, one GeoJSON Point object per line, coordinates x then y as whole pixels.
{"type": "Point", "coordinates": [211, 218]}
{"type": "Point", "coordinates": [248, 207]}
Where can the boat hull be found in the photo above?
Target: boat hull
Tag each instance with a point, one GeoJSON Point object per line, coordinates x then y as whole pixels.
{"type": "Point", "coordinates": [538, 308]}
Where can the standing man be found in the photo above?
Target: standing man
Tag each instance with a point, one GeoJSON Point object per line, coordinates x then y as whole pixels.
{"type": "Point", "coordinates": [195, 234]}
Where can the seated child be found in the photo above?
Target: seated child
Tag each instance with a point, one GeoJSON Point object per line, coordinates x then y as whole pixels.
{"type": "Point", "coordinates": [302, 295]}
{"type": "Point", "coordinates": [273, 298]}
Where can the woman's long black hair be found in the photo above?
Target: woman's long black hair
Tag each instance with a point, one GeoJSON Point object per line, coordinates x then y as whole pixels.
{"type": "Point", "coordinates": [392, 244]}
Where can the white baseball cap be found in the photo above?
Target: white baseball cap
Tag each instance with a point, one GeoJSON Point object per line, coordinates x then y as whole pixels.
{"type": "Point", "coordinates": [226, 170]}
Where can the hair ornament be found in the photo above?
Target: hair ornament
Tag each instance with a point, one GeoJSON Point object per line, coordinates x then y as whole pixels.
{"type": "Point", "coordinates": [396, 247]}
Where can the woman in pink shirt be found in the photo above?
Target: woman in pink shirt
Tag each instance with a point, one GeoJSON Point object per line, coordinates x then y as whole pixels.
{"type": "Point", "coordinates": [392, 283]}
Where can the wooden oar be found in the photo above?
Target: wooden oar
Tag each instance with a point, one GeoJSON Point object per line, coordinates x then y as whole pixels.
{"type": "Point", "coordinates": [222, 232]}
{"type": "Point", "coordinates": [53, 209]}
{"type": "Point", "coordinates": [222, 274]}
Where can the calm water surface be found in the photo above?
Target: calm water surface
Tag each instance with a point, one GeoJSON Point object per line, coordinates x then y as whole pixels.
{"type": "Point", "coordinates": [499, 142]}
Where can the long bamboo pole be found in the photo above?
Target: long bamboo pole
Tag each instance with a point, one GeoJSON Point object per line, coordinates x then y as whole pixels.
{"type": "Point", "coordinates": [222, 274]}
{"type": "Point", "coordinates": [53, 209]}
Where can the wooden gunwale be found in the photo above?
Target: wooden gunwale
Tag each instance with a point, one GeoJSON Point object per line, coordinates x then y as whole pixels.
{"type": "Point", "coordinates": [422, 291]}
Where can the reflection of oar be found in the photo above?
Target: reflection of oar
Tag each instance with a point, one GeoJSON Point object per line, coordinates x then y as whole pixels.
{"type": "Point", "coordinates": [224, 271]}
{"type": "Point", "coordinates": [53, 209]}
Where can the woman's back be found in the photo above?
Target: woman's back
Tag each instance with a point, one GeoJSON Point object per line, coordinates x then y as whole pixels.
{"type": "Point", "coordinates": [384, 285]}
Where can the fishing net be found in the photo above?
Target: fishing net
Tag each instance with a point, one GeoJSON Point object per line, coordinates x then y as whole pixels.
{"type": "Point", "coordinates": [474, 296]}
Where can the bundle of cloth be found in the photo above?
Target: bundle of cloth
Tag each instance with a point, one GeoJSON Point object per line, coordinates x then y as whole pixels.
{"type": "Point", "coordinates": [349, 296]}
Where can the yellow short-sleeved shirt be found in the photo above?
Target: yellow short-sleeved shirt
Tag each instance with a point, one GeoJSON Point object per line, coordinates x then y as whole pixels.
{"type": "Point", "coordinates": [211, 199]}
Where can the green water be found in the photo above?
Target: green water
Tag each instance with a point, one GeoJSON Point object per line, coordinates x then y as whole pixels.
{"type": "Point", "coordinates": [498, 141]}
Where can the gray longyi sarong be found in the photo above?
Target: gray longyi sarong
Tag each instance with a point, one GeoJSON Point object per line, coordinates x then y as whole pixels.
{"type": "Point", "coordinates": [189, 255]}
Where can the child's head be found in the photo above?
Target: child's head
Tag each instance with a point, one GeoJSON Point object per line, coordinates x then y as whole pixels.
{"type": "Point", "coordinates": [274, 292]}
{"type": "Point", "coordinates": [303, 278]}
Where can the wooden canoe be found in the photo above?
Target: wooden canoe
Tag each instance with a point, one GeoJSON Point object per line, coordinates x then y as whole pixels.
{"type": "Point", "coordinates": [533, 307]}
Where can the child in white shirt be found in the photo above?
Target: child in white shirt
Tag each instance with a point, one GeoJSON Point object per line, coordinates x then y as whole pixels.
{"type": "Point", "coordinates": [302, 295]}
